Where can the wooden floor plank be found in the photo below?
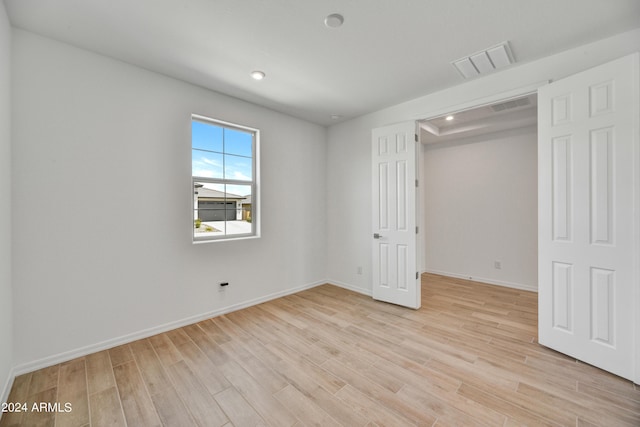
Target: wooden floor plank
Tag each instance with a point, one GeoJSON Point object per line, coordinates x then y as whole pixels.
{"type": "Point", "coordinates": [36, 416]}
{"type": "Point", "coordinates": [201, 404]}
{"type": "Point", "coordinates": [255, 366]}
{"type": "Point", "coordinates": [329, 356]}
{"type": "Point", "coordinates": [18, 394]}
{"type": "Point", "coordinates": [99, 372]}
{"type": "Point", "coordinates": [202, 366]}
{"type": "Point", "coordinates": [269, 408]}
{"type": "Point", "coordinates": [379, 393]}
{"type": "Point", "coordinates": [512, 410]}
{"type": "Point", "coordinates": [213, 331]}
{"type": "Point", "coordinates": [166, 351]}
{"type": "Point", "coordinates": [44, 379]}
{"type": "Point", "coordinates": [305, 381]}
{"type": "Point", "coordinates": [291, 358]}
{"type": "Point", "coordinates": [120, 355]}
{"type": "Point", "coordinates": [448, 414]}
{"type": "Point", "coordinates": [168, 405]}
{"type": "Point", "coordinates": [136, 402]}
{"type": "Point", "coordinates": [20, 389]}
{"type": "Point", "coordinates": [239, 411]}
{"type": "Point", "coordinates": [368, 408]}
{"type": "Point", "coordinates": [599, 412]}
{"type": "Point", "coordinates": [304, 408]}
{"type": "Point", "coordinates": [72, 391]}
{"type": "Point", "coordinates": [106, 409]}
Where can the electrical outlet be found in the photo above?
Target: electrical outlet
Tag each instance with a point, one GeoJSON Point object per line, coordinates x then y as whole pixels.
{"type": "Point", "coordinates": [497, 265]}
{"type": "Point", "coordinates": [359, 270]}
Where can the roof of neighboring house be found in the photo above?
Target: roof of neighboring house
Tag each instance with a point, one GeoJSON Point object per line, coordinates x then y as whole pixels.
{"type": "Point", "coordinates": [247, 200]}
{"type": "Point", "coordinates": [215, 194]}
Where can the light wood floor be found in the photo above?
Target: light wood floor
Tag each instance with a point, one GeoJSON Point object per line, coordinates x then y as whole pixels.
{"type": "Point", "coordinates": [328, 356]}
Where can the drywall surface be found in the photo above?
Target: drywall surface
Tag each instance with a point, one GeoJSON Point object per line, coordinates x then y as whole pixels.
{"type": "Point", "coordinates": [6, 312]}
{"type": "Point", "coordinates": [349, 147]}
{"type": "Point", "coordinates": [480, 208]}
{"type": "Point", "coordinates": [102, 208]}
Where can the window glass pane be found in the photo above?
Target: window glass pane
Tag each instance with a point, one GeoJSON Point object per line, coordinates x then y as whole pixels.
{"type": "Point", "coordinates": [238, 142]}
{"type": "Point", "coordinates": [238, 191]}
{"type": "Point", "coordinates": [247, 202]}
{"type": "Point", "coordinates": [238, 167]}
{"type": "Point", "coordinates": [238, 209]}
{"type": "Point", "coordinates": [221, 210]}
{"type": "Point", "coordinates": [206, 136]}
{"type": "Point", "coordinates": [208, 210]}
{"type": "Point", "coordinates": [206, 164]}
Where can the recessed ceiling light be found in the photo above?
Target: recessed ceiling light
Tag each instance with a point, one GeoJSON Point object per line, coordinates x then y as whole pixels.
{"type": "Point", "coordinates": [449, 118]}
{"type": "Point", "coordinates": [335, 116]}
{"type": "Point", "coordinates": [258, 75]}
{"type": "Point", "coordinates": [334, 20]}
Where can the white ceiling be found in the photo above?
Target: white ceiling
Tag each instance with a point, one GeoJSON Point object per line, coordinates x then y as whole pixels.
{"type": "Point", "coordinates": [386, 52]}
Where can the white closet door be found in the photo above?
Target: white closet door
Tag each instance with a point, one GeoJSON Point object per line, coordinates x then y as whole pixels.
{"type": "Point", "coordinates": [588, 161]}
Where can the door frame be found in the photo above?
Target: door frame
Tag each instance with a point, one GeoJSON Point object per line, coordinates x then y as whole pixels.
{"type": "Point", "coordinates": [455, 109]}
{"type": "Point", "coordinates": [482, 101]}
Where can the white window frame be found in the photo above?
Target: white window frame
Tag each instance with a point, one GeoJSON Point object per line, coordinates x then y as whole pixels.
{"type": "Point", "coordinates": [254, 183]}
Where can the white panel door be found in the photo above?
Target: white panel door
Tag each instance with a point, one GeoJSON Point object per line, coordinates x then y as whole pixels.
{"type": "Point", "coordinates": [395, 277]}
{"type": "Point", "coordinates": [588, 153]}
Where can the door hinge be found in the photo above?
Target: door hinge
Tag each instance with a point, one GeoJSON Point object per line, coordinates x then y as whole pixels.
{"type": "Point", "coordinates": [416, 182]}
{"type": "Point", "coordinates": [416, 230]}
{"type": "Point", "coordinates": [417, 275]}
{"type": "Point", "coordinates": [416, 135]}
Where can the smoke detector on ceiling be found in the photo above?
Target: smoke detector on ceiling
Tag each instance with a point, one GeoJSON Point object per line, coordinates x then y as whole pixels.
{"type": "Point", "coordinates": [334, 20]}
{"type": "Point", "coordinates": [484, 61]}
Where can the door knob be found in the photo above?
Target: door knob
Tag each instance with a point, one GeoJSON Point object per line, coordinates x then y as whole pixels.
{"type": "Point", "coordinates": [376, 236]}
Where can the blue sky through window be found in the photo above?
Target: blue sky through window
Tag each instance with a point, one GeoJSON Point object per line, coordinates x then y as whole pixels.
{"type": "Point", "coordinates": [222, 153]}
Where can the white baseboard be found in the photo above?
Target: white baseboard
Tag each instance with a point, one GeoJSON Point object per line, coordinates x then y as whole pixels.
{"type": "Point", "coordinates": [114, 342]}
{"type": "Point", "coordinates": [485, 280]}
{"type": "Point", "coordinates": [350, 287]}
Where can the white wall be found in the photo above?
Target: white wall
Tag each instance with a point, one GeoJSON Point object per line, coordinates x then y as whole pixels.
{"type": "Point", "coordinates": [349, 148]}
{"type": "Point", "coordinates": [481, 206]}
{"type": "Point", "coordinates": [6, 316]}
{"type": "Point", "coordinates": [102, 204]}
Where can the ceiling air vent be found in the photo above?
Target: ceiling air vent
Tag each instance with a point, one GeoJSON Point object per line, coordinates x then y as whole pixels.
{"type": "Point", "coordinates": [521, 102]}
{"type": "Point", "coordinates": [485, 61]}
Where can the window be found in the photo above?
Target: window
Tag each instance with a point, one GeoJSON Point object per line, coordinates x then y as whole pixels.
{"type": "Point", "coordinates": [224, 165]}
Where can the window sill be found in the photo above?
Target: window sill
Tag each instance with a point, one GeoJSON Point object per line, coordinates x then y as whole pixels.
{"type": "Point", "coordinates": [226, 239]}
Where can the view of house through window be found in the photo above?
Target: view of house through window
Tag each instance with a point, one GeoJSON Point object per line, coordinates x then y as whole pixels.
{"type": "Point", "coordinates": [223, 169]}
